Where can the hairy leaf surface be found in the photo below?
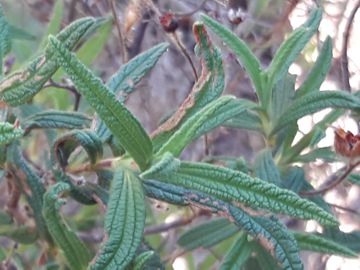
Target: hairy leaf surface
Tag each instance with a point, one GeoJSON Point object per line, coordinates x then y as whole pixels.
{"type": "Point", "coordinates": [241, 50]}
{"type": "Point", "coordinates": [208, 118]}
{"type": "Point", "coordinates": [319, 243]}
{"type": "Point", "coordinates": [318, 72]}
{"type": "Point", "coordinates": [21, 86]}
{"type": "Point", "coordinates": [57, 119]}
{"type": "Point", "coordinates": [9, 133]}
{"type": "Point", "coordinates": [124, 222]}
{"type": "Point", "coordinates": [124, 80]}
{"type": "Point", "coordinates": [314, 102]}
{"type": "Point", "coordinates": [118, 119]}
{"type": "Point", "coordinates": [236, 186]}
{"type": "Point", "coordinates": [74, 250]}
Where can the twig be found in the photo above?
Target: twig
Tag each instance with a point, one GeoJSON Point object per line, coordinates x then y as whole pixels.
{"type": "Point", "coordinates": [105, 163]}
{"type": "Point", "coordinates": [124, 55]}
{"type": "Point", "coordinates": [344, 208]}
{"type": "Point", "coordinates": [168, 226]}
{"type": "Point", "coordinates": [77, 96]}
{"type": "Point", "coordinates": [344, 56]}
{"type": "Point", "coordinates": [333, 184]}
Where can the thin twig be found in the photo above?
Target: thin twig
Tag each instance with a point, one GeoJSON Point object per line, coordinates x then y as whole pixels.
{"type": "Point", "coordinates": [168, 226]}
{"type": "Point", "coordinates": [102, 164]}
{"type": "Point", "coordinates": [72, 89]}
{"type": "Point", "coordinates": [124, 55]}
{"type": "Point", "coordinates": [344, 208]}
{"type": "Point", "coordinates": [333, 184]}
{"type": "Point", "coordinates": [344, 55]}
{"type": "Point", "coordinates": [186, 54]}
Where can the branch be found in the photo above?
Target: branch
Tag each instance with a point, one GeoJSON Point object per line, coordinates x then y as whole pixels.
{"type": "Point", "coordinates": [124, 55]}
{"type": "Point", "coordinates": [344, 57]}
{"type": "Point", "coordinates": [168, 226]}
{"type": "Point", "coordinates": [333, 184]}
{"type": "Point", "coordinates": [71, 89]}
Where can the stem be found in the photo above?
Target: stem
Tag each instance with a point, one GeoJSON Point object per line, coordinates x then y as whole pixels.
{"type": "Point", "coordinates": [124, 55]}
{"type": "Point", "coordinates": [344, 56]}
{"type": "Point", "coordinates": [333, 184]}
{"type": "Point", "coordinates": [71, 89]}
{"type": "Point", "coordinates": [168, 226]}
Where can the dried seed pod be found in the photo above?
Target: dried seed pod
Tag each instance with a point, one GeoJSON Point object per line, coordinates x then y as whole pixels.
{"type": "Point", "coordinates": [346, 143]}
{"type": "Point", "coordinates": [169, 22]}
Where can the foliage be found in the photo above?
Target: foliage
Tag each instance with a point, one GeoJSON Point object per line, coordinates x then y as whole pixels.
{"type": "Point", "coordinates": [248, 198]}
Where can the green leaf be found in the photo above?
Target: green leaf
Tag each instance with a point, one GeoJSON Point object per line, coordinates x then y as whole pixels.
{"type": "Point", "coordinates": [20, 34]}
{"type": "Point", "coordinates": [208, 118]}
{"type": "Point", "coordinates": [319, 243]}
{"type": "Point", "coordinates": [22, 234]}
{"type": "Point", "coordinates": [238, 254]}
{"type": "Point", "coordinates": [57, 119]}
{"type": "Point", "coordinates": [140, 261]}
{"type": "Point", "coordinates": [241, 50]}
{"type": "Point", "coordinates": [350, 240]}
{"type": "Point", "coordinates": [207, 234]}
{"type": "Point", "coordinates": [291, 48]}
{"type": "Point", "coordinates": [246, 120]}
{"type": "Point", "coordinates": [318, 72]}
{"type": "Point", "coordinates": [88, 52]}
{"type": "Point", "coordinates": [118, 119]}
{"type": "Point", "coordinates": [324, 153]}
{"type": "Point", "coordinates": [5, 43]}
{"type": "Point", "coordinates": [265, 167]}
{"type": "Point", "coordinates": [314, 102]}
{"type": "Point", "coordinates": [208, 88]}
{"type": "Point", "coordinates": [55, 22]}
{"type": "Point", "coordinates": [124, 222]}
{"type": "Point", "coordinates": [68, 142]}
{"type": "Point", "coordinates": [295, 181]}
{"type": "Point", "coordinates": [234, 186]}
{"type": "Point", "coordinates": [24, 171]}
{"type": "Point", "coordinates": [269, 232]}
{"type": "Point", "coordinates": [21, 86]}
{"type": "Point", "coordinates": [76, 253]}
{"type": "Point", "coordinates": [9, 133]}
{"type": "Point", "coordinates": [125, 79]}
{"type": "Point", "coordinates": [78, 192]}
{"type": "Point", "coordinates": [282, 95]}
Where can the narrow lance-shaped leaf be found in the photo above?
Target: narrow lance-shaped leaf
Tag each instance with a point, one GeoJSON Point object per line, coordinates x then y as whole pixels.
{"type": "Point", "coordinates": [265, 167]}
{"type": "Point", "coordinates": [231, 186]}
{"type": "Point", "coordinates": [24, 172]}
{"type": "Point", "coordinates": [318, 72]}
{"type": "Point", "coordinates": [124, 222]}
{"type": "Point", "coordinates": [270, 233]}
{"type": "Point", "coordinates": [57, 119]}
{"type": "Point", "coordinates": [9, 133]}
{"type": "Point", "coordinates": [238, 254]}
{"type": "Point", "coordinates": [21, 234]}
{"type": "Point", "coordinates": [55, 22]}
{"type": "Point", "coordinates": [291, 48]}
{"type": "Point", "coordinates": [246, 120]}
{"type": "Point", "coordinates": [208, 88]}
{"type": "Point", "coordinates": [4, 39]}
{"type": "Point", "coordinates": [207, 234]}
{"type": "Point", "coordinates": [124, 80]}
{"type": "Point", "coordinates": [66, 144]}
{"type": "Point", "coordinates": [21, 86]}
{"type": "Point", "coordinates": [319, 243]}
{"type": "Point", "coordinates": [117, 118]}
{"type": "Point", "coordinates": [76, 253]}
{"type": "Point", "coordinates": [241, 50]}
{"type": "Point", "coordinates": [314, 102]}
{"type": "Point", "coordinates": [141, 260]}
{"type": "Point", "coordinates": [208, 118]}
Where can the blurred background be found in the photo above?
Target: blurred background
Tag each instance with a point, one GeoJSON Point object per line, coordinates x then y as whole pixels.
{"type": "Point", "coordinates": [263, 24]}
